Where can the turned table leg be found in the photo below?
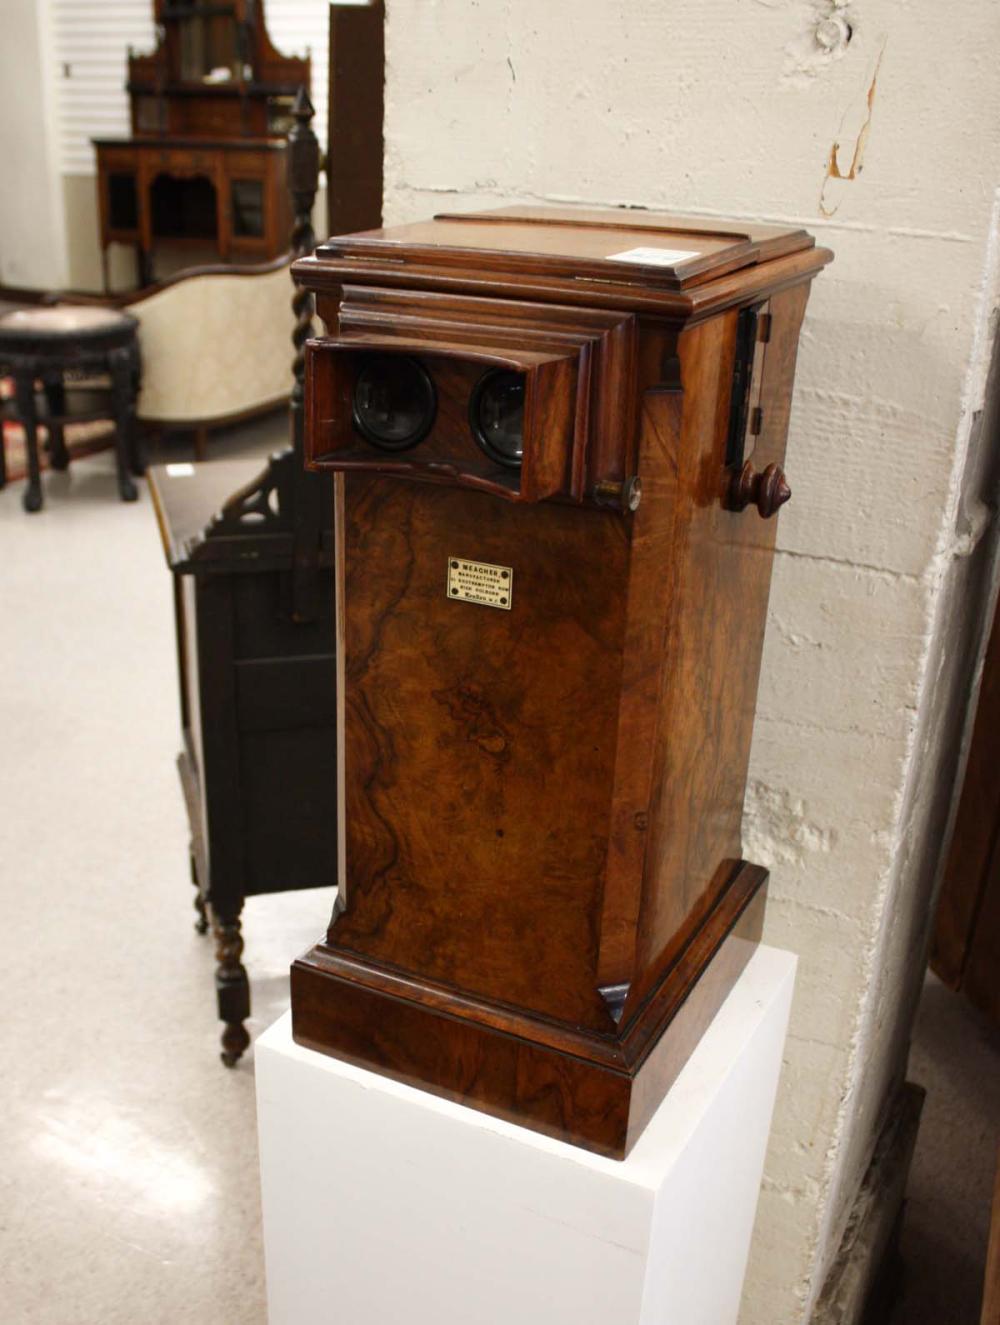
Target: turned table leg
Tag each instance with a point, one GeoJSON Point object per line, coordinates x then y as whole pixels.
{"type": "Point", "coordinates": [55, 397]}
{"type": "Point", "coordinates": [24, 386]}
{"type": "Point", "coordinates": [231, 985]}
{"type": "Point", "coordinates": [137, 453]}
{"type": "Point", "coordinates": [201, 924]}
{"type": "Point", "coordinates": [137, 443]}
{"type": "Point", "coordinates": [123, 391]}
{"type": "Point", "coordinates": [144, 267]}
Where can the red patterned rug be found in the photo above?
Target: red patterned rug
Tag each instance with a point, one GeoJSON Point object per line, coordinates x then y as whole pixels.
{"type": "Point", "coordinates": [81, 439]}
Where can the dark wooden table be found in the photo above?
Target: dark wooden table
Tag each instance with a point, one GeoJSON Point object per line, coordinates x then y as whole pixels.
{"type": "Point", "coordinates": [258, 766]}
{"type": "Point", "coordinates": [60, 347]}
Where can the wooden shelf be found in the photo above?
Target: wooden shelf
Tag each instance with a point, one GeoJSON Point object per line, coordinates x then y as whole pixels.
{"type": "Point", "coordinates": [198, 11]}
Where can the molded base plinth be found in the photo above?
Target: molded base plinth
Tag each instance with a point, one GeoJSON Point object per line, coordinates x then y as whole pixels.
{"type": "Point", "coordinates": [592, 1090]}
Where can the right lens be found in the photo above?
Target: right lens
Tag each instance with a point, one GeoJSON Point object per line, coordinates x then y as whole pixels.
{"type": "Point", "coordinates": [496, 412]}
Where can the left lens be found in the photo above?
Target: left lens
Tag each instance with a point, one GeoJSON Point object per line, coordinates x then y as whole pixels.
{"type": "Point", "coordinates": [394, 402]}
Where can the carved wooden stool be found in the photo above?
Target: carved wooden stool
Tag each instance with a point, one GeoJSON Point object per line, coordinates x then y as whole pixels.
{"type": "Point", "coordinates": [61, 346]}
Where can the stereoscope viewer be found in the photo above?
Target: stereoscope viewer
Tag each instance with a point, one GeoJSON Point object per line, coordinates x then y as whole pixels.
{"type": "Point", "coordinates": [557, 438]}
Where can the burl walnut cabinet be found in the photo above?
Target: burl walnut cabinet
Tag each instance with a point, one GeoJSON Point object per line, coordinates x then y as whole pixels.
{"type": "Point", "coordinates": [557, 440]}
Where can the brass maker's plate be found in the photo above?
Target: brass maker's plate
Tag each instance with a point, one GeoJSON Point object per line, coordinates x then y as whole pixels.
{"type": "Point", "coordinates": [480, 582]}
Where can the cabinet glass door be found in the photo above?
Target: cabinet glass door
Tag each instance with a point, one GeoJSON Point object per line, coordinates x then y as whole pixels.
{"type": "Point", "coordinates": [247, 205]}
{"type": "Point", "coordinates": [209, 42]}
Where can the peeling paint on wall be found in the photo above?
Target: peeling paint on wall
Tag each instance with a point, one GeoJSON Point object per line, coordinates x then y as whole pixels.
{"type": "Point", "coordinates": [777, 827]}
{"type": "Point", "coordinates": [834, 169]}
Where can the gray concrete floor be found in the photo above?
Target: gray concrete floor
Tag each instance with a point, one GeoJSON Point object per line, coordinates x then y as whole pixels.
{"type": "Point", "coordinates": [129, 1184]}
{"type": "Point", "coordinates": [258, 437]}
{"type": "Point", "coordinates": [956, 1057]}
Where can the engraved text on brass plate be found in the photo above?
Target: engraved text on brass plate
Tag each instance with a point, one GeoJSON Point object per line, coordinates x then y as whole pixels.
{"type": "Point", "coordinates": [480, 582]}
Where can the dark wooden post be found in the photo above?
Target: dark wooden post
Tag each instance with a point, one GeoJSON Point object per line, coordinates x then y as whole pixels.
{"type": "Point", "coordinates": [303, 181]}
{"type": "Point", "coordinates": [309, 491]}
{"type": "Point", "coordinates": [354, 117]}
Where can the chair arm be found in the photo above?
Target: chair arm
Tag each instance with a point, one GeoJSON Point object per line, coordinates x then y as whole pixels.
{"type": "Point", "coordinates": [126, 298]}
{"type": "Point", "coordinates": [79, 298]}
{"type": "Point", "coordinates": [215, 269]}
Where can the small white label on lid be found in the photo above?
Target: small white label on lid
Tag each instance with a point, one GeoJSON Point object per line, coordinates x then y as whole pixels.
{"type": "Point", "coordinates": [655, 257]}
{"type": "Point", "coordinates": [182, 470]}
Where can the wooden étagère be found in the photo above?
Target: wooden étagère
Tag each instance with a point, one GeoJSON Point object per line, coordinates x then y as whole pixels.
{"type": "Point", "coordinates": [542, 897]}
{"type": "Point", "coordinates": [204, 166]}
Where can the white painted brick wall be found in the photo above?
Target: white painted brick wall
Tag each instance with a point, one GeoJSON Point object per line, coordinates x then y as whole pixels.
{"type": "Point", "coordinates": [733, 108]}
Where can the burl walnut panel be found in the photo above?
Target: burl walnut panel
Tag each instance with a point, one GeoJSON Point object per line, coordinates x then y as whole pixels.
{"type": "Point", "coordinates": [714, 600]}
{"type": "Point", "coordinates": [478, 799]}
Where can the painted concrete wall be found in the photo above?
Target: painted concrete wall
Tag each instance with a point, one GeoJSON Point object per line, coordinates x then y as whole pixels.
{"type": "Point", "coordinates": [878, 127]}
{"type": "Point", "coordinates": [32, 235]}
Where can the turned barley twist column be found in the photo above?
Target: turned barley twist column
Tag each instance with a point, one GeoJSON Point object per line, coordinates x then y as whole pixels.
{"type": "Point", "coordinates": [303, 181]}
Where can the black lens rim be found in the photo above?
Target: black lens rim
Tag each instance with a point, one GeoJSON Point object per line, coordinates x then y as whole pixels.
{"type": "Point", "coordinates": [430, 402]}
{"type": "Point", "coordinates": [474, 422]}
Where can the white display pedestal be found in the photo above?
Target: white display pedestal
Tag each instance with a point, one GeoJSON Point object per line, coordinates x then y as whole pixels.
{"type": "Point", "coordinates": [384, 1205]}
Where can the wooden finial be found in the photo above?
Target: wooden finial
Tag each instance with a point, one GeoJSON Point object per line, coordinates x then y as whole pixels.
{"type": "Point", "coordinates": [302, 108]}
{"type": "Point", "coordinates": [303, 171]}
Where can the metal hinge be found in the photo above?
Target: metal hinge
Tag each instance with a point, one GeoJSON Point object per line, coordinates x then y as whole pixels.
{"type": "Point", "coordinates": [753, 330]}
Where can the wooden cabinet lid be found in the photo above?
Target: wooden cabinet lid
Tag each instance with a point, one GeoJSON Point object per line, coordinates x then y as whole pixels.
{"type": "Point", "coordinates": [617, 246]}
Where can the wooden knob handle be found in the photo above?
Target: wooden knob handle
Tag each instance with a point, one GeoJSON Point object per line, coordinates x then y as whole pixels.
{"type": "Point", "coordinates": [768, 490]}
